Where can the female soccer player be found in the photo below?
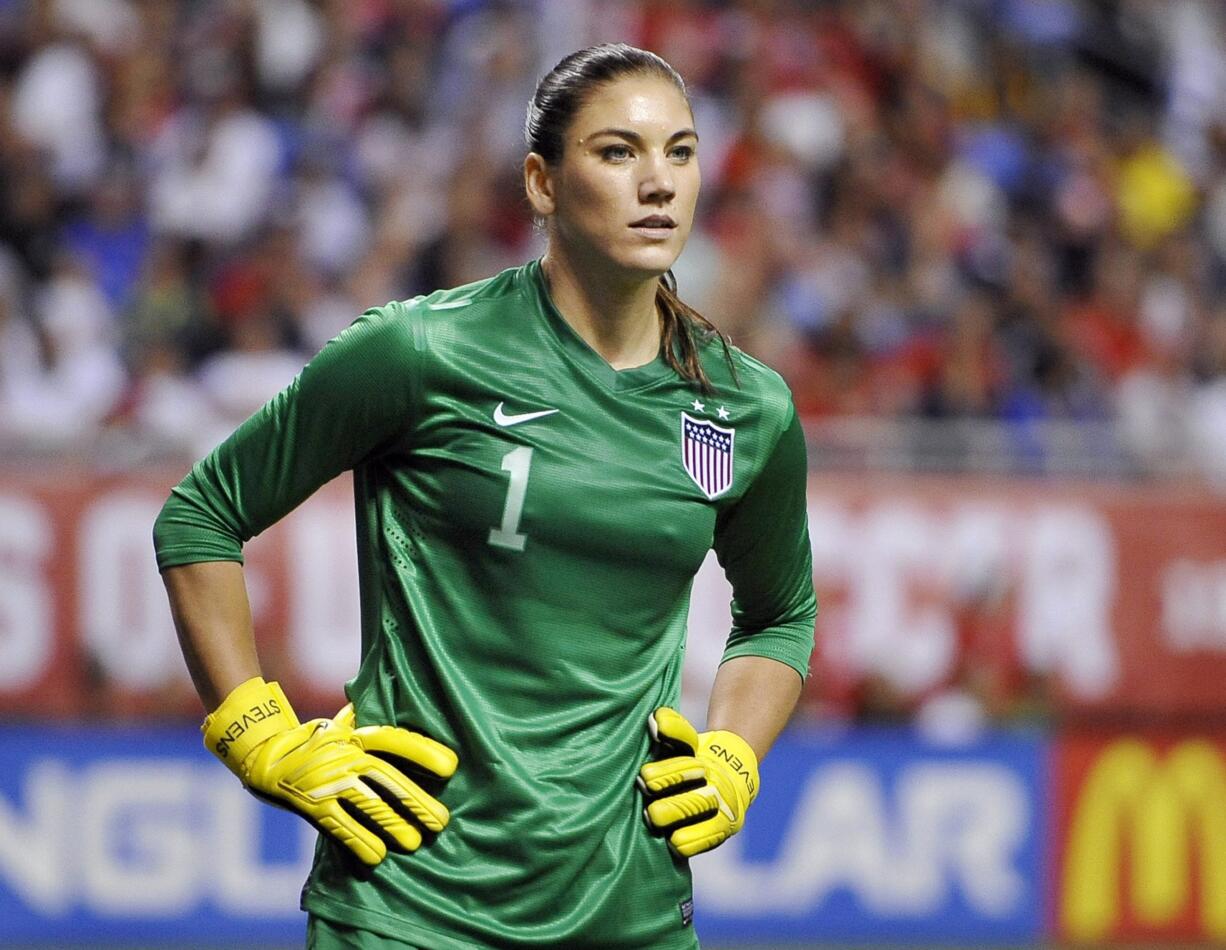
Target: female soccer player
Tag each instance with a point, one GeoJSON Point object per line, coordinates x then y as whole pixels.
{"type": "Point", "coordinates": [541, 460]}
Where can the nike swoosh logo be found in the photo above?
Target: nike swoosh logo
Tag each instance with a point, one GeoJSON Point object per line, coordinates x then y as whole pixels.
{"type": "Point", "coordinates": [503, 419]}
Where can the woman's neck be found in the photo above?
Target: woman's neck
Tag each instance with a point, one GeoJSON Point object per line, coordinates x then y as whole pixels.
{"type": "Point", "coordinates": [616, 319]}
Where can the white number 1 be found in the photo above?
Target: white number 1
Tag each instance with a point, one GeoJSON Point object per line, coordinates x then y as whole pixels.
{"type": "Point", "coordinates": [517, 462]}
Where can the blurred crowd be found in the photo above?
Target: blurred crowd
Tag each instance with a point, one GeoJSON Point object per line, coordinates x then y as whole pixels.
{"type": "Point", "coordinates": [1000, 210]}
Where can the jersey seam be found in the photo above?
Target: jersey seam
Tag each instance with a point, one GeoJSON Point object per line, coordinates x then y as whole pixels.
{"type": "Point", "coordinates": [416, 334]}
{"type": "Point", "coordinates": [769, 454]}
{"type": "Point", "coordinates": [388, 313]}
{"type": "Point", "coordinates": [412, 312]}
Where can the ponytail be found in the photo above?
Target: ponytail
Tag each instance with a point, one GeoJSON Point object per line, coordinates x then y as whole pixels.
{"type": "Point", "coordinates": [682, 328]}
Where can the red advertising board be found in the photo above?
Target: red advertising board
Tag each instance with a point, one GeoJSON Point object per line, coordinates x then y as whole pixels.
{"type": "Point", "coordinates": [1008, 594]}
{"type": "Point", "coordinates": [1100, 599]}
{"type": "Point", "coordinates": [1139, 827]}
{"type": "Point", "coordinates": [85, 630]}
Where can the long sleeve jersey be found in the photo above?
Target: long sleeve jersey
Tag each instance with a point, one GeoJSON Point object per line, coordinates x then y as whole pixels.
{"type": "Point", "coordinates": [529, 523]}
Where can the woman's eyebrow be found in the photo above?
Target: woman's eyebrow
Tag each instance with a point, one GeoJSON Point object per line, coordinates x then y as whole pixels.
{"type": "Point", "coordinates": [632, 136]}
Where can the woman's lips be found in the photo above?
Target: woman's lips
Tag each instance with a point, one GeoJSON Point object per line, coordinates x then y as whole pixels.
{"type": "Point", "coordinates": [657, 226]}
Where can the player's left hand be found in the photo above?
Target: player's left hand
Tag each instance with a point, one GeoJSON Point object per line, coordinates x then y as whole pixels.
{"type": "Point", "coordinates": [698, 795]}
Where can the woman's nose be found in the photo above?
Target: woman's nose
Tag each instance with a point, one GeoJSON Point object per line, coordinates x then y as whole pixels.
{"type": "Point", "coordinates": [657, 182]}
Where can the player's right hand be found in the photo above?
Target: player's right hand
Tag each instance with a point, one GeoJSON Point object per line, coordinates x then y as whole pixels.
{"type": "Point", "coordinates": [336, 776]}
{"type": "Point", "coordinates": [697, 795]}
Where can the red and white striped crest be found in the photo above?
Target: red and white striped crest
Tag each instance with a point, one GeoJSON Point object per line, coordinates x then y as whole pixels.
{"type": "Point", "coordinates": [706, 453]}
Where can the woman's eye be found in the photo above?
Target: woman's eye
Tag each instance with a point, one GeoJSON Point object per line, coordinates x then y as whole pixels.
{"type": "Point", "coordinates": [683, 152]}
{"type": "Point", "coordinates": [616, 153]}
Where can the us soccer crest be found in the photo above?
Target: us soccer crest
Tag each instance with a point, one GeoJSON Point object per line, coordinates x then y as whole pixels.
{"type": "Point", "coordinates": [706, 453]}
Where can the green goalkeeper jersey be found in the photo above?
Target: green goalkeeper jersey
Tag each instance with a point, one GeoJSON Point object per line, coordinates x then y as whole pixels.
{"type": "Point", "coordinates": [529, 524]}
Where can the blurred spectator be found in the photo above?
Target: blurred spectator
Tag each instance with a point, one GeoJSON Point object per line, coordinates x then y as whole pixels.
{"type": "Point", "coordinates": [168, 324]}
{"type": "Point", "coordinates": [80, 378]}
{"type": "Point", "coordinates": [20, 353]}
{"type": "Point", "coordinates": [57, 106]}
{"type": "Point", "coordinates": [112, 237]}
{"type": "Point", "coordinates": [30, 220]}
{"type": "Point", "coordinates": [215, 168]}
{"type": "Point", "coordinates": [258, 356]}
{"type": "Point", "coordinates": [1208, 401]}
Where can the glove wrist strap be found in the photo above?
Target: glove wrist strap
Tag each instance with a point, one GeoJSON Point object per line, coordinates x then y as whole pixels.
{"type": "Point", "coordinates": [251, 713]}
{"type": "Point", "coordinates": [736, 755]}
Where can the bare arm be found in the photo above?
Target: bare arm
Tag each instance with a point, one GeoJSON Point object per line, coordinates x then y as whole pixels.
{"type": "Point", "coordinates": [753, 696]}
{"type": "Point", "coordinates": [353, 400]}
{"type": "Point", "coordinates": [305, 769]}
{"type": "Point", "coordinates": [209, 604]}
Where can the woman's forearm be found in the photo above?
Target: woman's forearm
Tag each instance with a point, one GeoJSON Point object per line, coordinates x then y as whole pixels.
{"type": "Point", "coordinates": [753, 696]}
{"type": "Point", "coordinates": [208, 602]}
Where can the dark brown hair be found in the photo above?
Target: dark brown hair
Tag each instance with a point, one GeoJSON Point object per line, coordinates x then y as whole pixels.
{"type": "Point", "coordinates": [557, 100]}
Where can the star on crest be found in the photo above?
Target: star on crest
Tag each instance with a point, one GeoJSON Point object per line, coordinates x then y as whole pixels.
{"type": "Point", "coordinates": [699, 407]}
{"type": "Point", "coordinates": [723, 412]}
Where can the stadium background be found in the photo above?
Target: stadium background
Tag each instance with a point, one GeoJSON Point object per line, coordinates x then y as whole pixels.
{"type": "Point", "coordinates": [984, 240]}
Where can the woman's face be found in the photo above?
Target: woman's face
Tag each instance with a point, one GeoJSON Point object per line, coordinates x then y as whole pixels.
{"type": "Point", "coordinates": [624, 191]}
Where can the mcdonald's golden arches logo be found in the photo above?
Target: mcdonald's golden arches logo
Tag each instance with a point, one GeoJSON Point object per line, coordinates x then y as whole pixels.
{"type": "Point", "coordinates": [1143, 829]}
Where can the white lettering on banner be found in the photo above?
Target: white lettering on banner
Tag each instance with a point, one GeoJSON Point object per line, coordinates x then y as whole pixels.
{"type": "Point", "coordinates": [27, 637]}
{"type": "Point", "coordinates": [977, 815]}
{"type": "Point", "coordinates": [974, 551]}
{"type": "Point", "coordinates": [325, 634]}
{"type": "Point", "coordinates": [907, 567]}
{"type": "Point", "coordinates": [908, 639]}
{"type": "Point", "coordinates": [123, 612]}
{"type": "Point", "coordinates": [1194, 605]}
{"type": "Point", "coordinates": [36, 855]}
{"type": "Point", "coordinates": [137, 849]}
{"type": "Point", "coordinates": [948, 826]}
{"type": "Point", "coordinates": [137, 838]}
{"type": "Point", "coordinates": [1068, 586]}
{"type": "Point", "coordinates": [245, 886]}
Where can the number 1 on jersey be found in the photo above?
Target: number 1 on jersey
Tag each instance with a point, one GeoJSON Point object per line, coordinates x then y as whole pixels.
{"type": "Point", "coordinates": [517, 462]}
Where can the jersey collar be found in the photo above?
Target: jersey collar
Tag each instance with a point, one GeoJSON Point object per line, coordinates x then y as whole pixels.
{"type": "Point", "coordinates": [595, 365]}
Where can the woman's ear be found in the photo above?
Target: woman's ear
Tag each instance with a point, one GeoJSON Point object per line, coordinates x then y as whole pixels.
{"type": "Point", "coordinates": [538, 183]}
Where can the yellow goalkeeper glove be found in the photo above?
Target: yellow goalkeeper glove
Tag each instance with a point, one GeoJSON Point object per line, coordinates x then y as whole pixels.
{"type": "Point", "coordinates": [332, 774]}
{"type": "Point", "coordinates": [697, 796]}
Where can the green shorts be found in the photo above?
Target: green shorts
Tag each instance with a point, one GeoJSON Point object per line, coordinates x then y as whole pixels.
{"type": "Point", "coordinates": [326, 935]}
